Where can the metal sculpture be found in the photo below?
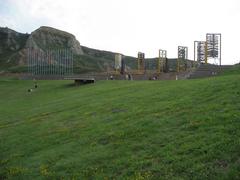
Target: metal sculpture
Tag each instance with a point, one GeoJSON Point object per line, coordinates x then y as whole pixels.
{"type": "Point", "coordinates": [214, 47]}
{"type": "Point", "coordinates": [161, 60]}
{"type": "Point", "coordinates": [182, 57]}
{"type": "Point", "coordinates": [50, 62]}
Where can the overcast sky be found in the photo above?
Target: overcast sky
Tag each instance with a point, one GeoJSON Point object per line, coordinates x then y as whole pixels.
{"type": "Point", "coordinates": [129, 26]}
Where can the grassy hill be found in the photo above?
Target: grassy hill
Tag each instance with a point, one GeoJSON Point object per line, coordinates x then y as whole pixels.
{"type": "Point", "coordinates": [186, 129]}
{"type": "Point", "coordinates": [94, 60]}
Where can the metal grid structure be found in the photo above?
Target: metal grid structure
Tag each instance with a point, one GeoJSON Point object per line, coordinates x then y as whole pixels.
{"type": "Point", "coordinates": [200, 51]}
{"type": "Point", "coordinates": [161, 60]}
{"type": "Point", "coordinates": [182, 57]}
{"type": "Point", "coordinates": [214, 48]}
{"type": "Point", "coordinates": [141, 62]}
{"type": "Point", "coordinates": [50, 63]}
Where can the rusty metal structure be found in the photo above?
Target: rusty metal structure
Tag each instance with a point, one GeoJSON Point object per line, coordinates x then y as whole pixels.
{"type": "Point", "coordinates": [161, 65]}
{"type": "Point", "coordinates": [200, 51]}
{"type": "Point", "coordinates": [141, 62]}
{"type": "Point", "coordinates": [182, 57]}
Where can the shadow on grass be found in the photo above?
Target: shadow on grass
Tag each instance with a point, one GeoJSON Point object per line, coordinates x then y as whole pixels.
{"type": "Point", "coordinates": [73, 85]}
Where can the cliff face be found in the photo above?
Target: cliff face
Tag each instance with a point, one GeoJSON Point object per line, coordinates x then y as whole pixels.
{"type": "Point", "coordinates": [49, 38]}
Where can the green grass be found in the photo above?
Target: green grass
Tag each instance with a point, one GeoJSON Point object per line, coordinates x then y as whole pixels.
{"type": "Point", "coordinates": [235, 70]}
{"type": "Point", "coordinates": [121, 129]}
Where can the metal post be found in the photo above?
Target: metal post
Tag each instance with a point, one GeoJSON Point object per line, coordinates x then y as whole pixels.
{"type": "Point", "coordinates": [206, 52]}
{"type": "Point", "coordinates": [71, 63]}
{"type": "Point", "coordinates": [68, 63]}
{"type": "Point", "coordinates": [57, 61]}
{"type": "Point", "coordinates": [159, 59]}
{"type": "Point", "coordinates": [54, 61]}
{"type": "Point", "coordinates": [34, 62]}
{"type": "Point", "coordinates": [41, 58]}
{"type": "Point", "coordinates": [220, 53]}
{"type": "Point", "coordinates": [54, 54]}
{"type": "Point", "coordinates": [60, 60]}
{"type": "Point", "coordinates": [194, 50]}
{"type": "Point", "coordinates": [38, 63]}
{"type": "Point", "coordinates": [50, 63]}
{"type": "Point", "coordinates": [64, 63]}
{"type": "Point", "coordinates": [29, 61]}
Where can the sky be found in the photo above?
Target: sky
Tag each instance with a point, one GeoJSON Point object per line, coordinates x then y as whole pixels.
{"type": "Point", "coordinates": [130, 26]}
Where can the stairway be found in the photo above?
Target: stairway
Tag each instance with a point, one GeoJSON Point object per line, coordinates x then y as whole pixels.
{"type": "Point", "coordinates": [208, 70]}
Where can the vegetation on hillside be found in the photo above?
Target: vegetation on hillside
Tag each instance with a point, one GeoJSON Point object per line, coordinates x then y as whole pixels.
{"type": "Point", "coordinates": [186, 129]}
{"type": "Point", "coordinates": [108, 58]}
{"type": "Point", "coordinates": [235, 70]}
{"type": "Point", "coordinates": [10, 44]}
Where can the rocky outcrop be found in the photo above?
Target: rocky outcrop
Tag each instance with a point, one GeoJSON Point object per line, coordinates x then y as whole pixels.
{"type": "Point", "coordinates": [49, 38]}
{"type": "Point", "coordinates": [11, 40]}
{"type": "Point", "coordinates": [12, 44]}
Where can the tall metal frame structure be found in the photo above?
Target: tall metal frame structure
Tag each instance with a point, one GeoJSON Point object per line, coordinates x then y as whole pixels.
{"type": "Point", "coordinates": [118, 62]}
{"type": "Point", "coordinates": [200, 54]}
{"type": "Point", "coordinates": [50, 63]}
{"type": "Point", "coordinates": [161, 60]}
{"type": "Point", "coordinates": [214, 46]}
{"type": "Point", "coordinates": [141, 62]}
{"type": "Point", "coordinates": [182, 56]}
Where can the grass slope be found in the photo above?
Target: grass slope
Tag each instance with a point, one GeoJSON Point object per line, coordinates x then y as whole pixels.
{"type": "Point", "coordinates": [121, 129]}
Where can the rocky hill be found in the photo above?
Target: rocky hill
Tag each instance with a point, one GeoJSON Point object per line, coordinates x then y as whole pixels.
{"type": "Point", "coordinates": [50, 38]}
{"type": "Point", "coordinates": [12, 44]}
{"type": "Point", "coordinates": [13, 47]}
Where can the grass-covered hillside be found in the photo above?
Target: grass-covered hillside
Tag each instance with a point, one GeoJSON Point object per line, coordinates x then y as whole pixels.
{"type": "Point", "coordinates": [186, 129]}
{"type": "Point", "coordinates": [94, 60]}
